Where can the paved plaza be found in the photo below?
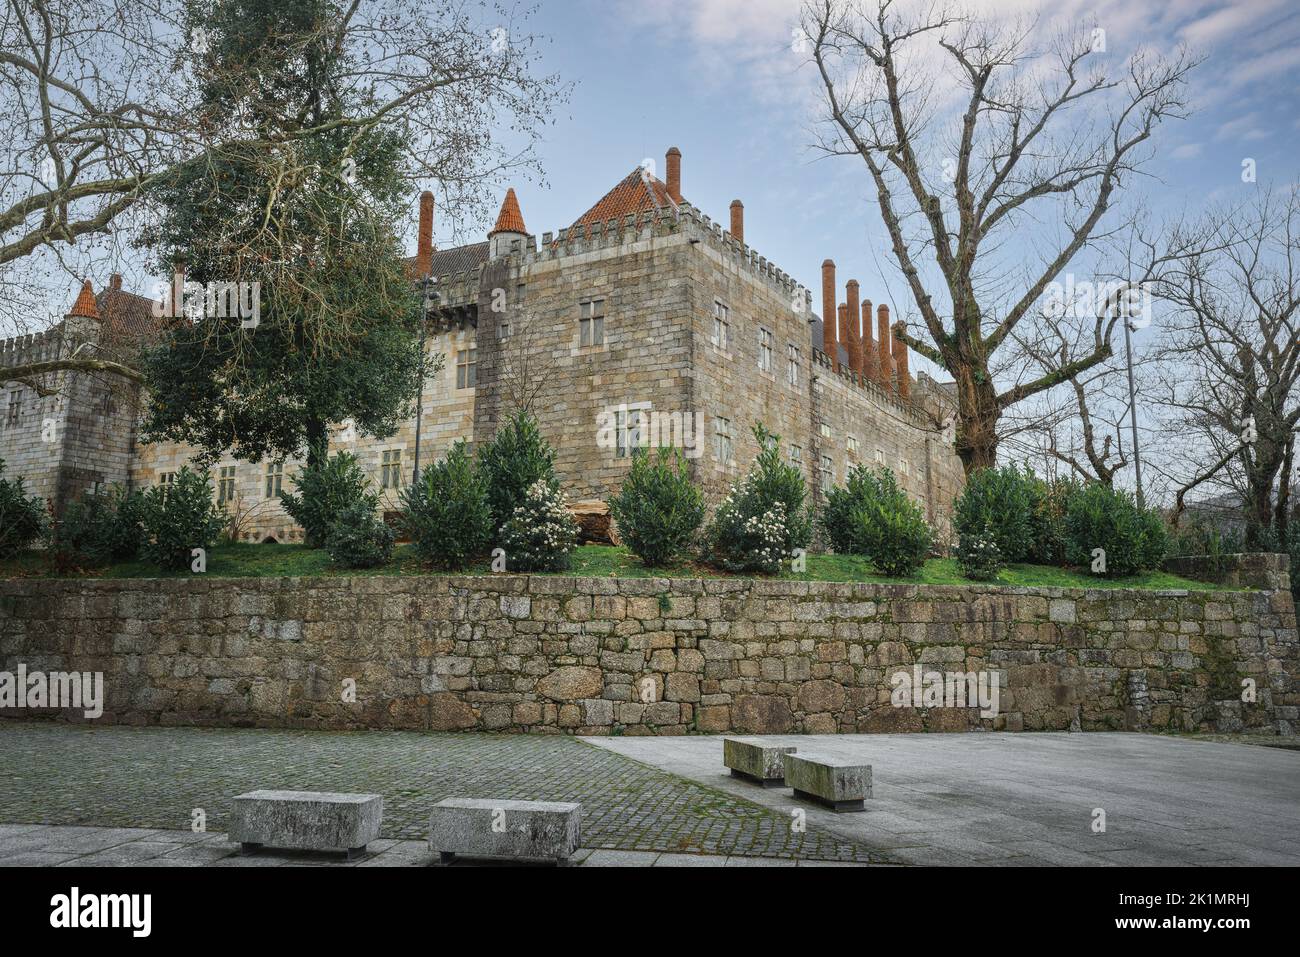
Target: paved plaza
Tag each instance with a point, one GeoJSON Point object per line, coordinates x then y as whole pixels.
{"type": "Point", "coordinates": [155, 778]}
{"type": "Point", "coordinates": [1029, 799]}
{"type": "Point", "coordinates": [76, 795]}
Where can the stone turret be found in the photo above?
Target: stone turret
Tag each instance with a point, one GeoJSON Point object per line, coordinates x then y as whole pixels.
{"type": "Point", "coordinates": [510, 229]}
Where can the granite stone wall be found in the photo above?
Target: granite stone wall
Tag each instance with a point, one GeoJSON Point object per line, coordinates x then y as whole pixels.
{"type": "Point", "coordinates": [653, 656]}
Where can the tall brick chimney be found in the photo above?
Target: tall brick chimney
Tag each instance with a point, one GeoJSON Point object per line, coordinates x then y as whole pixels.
{"type": "Point", "coordinates": [829, 339]}
{"type": "Point", "coordinates": [115, 282]}
{"type": "Point", "coordinates": [900, 361]}
{"type": "Point", "coordinates": [424, 251]}
{"type": "Point", "coordinates": [853, 339]}
{"type": "Point", "coordinates": [870, 361]}
{"type": "Point", "coordinates": [886, 361]}
{"type": "Point", "coordinates": [673, 170]}
{"type": "Point", "coordinates": [738, 220]}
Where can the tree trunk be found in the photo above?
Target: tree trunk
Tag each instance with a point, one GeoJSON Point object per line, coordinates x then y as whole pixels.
{"type": "Point", "coordinates": [318, 437]}
{"type": "Point", "coordinates": [978, 414]}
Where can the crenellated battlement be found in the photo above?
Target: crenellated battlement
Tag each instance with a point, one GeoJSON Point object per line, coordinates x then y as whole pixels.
{"type": "Point", "coordinates": [916, 410]}
{"type": "Point", "coordinates": [41, 346]}
{"type": "Point", "coordinates": [683, 219]}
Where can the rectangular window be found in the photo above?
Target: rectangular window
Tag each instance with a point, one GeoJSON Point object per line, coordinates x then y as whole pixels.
{"type": "Point", "coordinates": [274, 479]}
{"type": "Point", "coordinates": [764, 350]}
{"type": "Point", "coordinates": [827, 470]}
{"type": "Point", "coordinates": [880, 456]}
{"type": "Point", "coordinates": [792, 364]}
{"type": "Point", "coordinates": [721, 325]}
{"type": "Point", "coordinates": [902, 466]}
{"type": "Point", "coordinates": [851, 443]}
{"type": "Point", "coordinates": [467, 367]}
{"type": "Point", "coordinates": [390, 469]}
{"type": "Point", "coordinates": [825, 430]}
{"type": "Point", "coordinates": [627, 432]}
{"type": "Point", "coordinates": [226, 484]}
{"type": "Point", "coordinates": [167, 478]}
{"type": "Point", "coordinates": [796, 454]}
{"type": "Point", "coordinates": [503, 328]}
{"type": "Point", "coordinates": [15, 406]}
{"type": "Point", "coordinates": [591, 323]}
{"type": "Point", "coordinates": [722, 444]}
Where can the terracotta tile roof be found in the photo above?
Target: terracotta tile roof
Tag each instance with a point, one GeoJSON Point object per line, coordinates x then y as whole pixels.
{"type": "Point", "coordinates": [454, 260]}
{"type": "Point", "coordinates": [85, 305]}
{"type": "Point", "coordinates": [638, 192]}
{"type": "Point", "coordinates": [511, 219]}
{"type": "Point", "coordinates": [127, 315]}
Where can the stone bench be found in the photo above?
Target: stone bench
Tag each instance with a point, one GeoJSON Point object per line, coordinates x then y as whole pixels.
{"type": "Point", "coordinates": [306, 820]}
{"type": "Point", "coordinates": [518, 830]}
{"type": "Point", "coordinates": [837, 783]}
{"type": "Point", "coordinates": [755, 760]}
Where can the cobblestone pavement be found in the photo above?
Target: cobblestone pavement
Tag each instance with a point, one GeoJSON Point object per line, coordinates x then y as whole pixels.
{"type": "Point", "coordinates": [118, 777]}
{"type": "Point", "coordinates": [51, 845]}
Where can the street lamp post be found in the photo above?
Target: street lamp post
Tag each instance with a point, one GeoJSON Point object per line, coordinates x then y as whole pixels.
{"type": "Point", "coordinates": [1124, 304]}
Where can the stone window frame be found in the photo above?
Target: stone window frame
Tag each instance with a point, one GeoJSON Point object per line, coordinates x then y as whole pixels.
{"type": "Point", "coordinates": [792, 361]}
{"type": "Point", "coordinates": [827, 469]}
{"type": "Point", "coordinates": [390, 468]}
{"type": "Point", "coordinates": [227, 484]}
{"type": "Point", "coordinates": [592, 312]}
{"type": "Point", "coordinates": [14, 410]}
{"type": "Point", "coordinates": [903, 467]}
{"type": "Point", "coordinates": [629, 421]}
{"type": "Point", "coordinates": [880, 456]}
{"type": "Point", "coordinates": [724, 445]}
{"type": "Point", "coordinates": [851, 445]}
{"type": "Point", "coordinates": [825, 429]}
{"type": "Point", "coordinates": [721, 337]}
{"type": "Point", "coordinates": [274, 479]}
{"type": "Point", "coordinates": [467, 366]}
{"type": "Point", "coordinates": [796, 454]}
{"type": "Point", "coordinates": [765, 349]}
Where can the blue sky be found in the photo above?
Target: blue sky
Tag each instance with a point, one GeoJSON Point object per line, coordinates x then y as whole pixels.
{"type": "Point", "coordinates": [718, 79]}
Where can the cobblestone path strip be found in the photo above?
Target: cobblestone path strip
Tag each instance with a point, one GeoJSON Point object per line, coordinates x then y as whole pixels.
{"type": "Point", "coordinates": [156, 777]}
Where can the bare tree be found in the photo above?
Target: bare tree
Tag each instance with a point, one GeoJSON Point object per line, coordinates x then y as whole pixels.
{"type": "Point", "coordinates": [1021, 148]}
{"type": "Point", "coordinates": [1233, 356]}
{"type": "Point", "coordinates": [527, 364]}
{"type": "Point", "coordinates": [104, 98]}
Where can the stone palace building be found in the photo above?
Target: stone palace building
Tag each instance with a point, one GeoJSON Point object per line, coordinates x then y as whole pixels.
{"type": "Point", "coordinates": [642, 323]}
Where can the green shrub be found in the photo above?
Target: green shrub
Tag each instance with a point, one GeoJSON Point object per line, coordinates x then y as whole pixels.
{"type": "Point", "coordinates": [863, 487]}
{"type": "Point", "coordinates": [1000, 502]}
{"type": "Point", "coordinates": [658, 510]}
{"type": "Point", "coordinates": [101, 528]}
{"type": "Point", "coordinates": [1050, 545]}
{"type": "Point", "coordinates": [446, 512]}
{"type": "Point", "coordinates": [512, 463]}
{"type": "Point", "coordinates": [324, 492]}
{"type": "Point", "coordinates": [23, 518]}
{"type": "Point", "coordinates": [763, 519]}
{"type": "Point", "coordinates": [873, 517]}
{"type": "Point", "coordinates": [178, 518]}
{"type": "Point", "coordinates": [979, 558]}
{"type": "Point", "coordinates": [541, 534]}
{"type": "Point", "coordinates": [358, 538]}
{"type": "Point", "coordinates": [1133, 539]}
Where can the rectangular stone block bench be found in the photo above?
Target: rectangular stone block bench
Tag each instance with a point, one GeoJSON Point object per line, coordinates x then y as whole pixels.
{"type": "Point", "coordinates": [518, 830]}
{"type": "Point", "coordinates": [306, 820]}
{"type": "Point", "coordinates": [837, 783]}
{"type": "Point", "coordinates": [756, 760]}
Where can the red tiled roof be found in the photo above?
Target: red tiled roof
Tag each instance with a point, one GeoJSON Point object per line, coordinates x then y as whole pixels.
{"type": "Point", "coordinates": [85, 306]}
{"type": "Point", "coordinates": [638, 192]}
{"type": "Point", "coordinates": [511, 219]}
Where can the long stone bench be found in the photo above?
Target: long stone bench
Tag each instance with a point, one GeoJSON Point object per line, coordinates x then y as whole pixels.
{"type": "Point", "coordinates": [837, 783]}
{"type": "Point", "coordinates": [306, 820]}
{"type": "Point", "coordinates": [754, 759]}
{"type": "Point", "coordinates": [519, 830]}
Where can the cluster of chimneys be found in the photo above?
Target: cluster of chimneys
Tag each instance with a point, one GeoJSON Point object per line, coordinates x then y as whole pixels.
{"type": "Point", "coordinates": [883, 361]}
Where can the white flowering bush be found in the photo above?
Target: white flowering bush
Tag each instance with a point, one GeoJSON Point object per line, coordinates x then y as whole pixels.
{"type": "Point", "coordinates": [979, 556]}
{"type": "Point", "coordinates": [540, 534]}
{"type": "Point", "coordinates": [763, 519]}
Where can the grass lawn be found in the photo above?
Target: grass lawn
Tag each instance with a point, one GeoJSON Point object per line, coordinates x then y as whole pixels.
{"type": "Point", "coordinates": [600, 561]}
